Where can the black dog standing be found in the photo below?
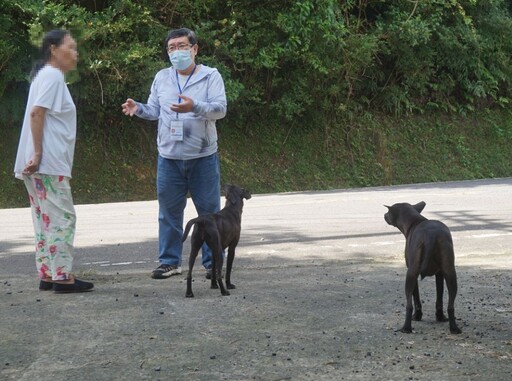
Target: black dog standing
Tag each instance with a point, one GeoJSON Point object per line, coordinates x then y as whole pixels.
{"type": "Point", "coordinates": [218, 230]}
{"type": "Point", "coordinates": [428, 251]}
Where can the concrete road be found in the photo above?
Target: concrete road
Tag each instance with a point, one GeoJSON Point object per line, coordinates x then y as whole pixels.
{"type": "Point", "coordinates": [122, 237]}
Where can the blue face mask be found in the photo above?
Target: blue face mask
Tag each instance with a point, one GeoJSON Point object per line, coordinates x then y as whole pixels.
{"type": "Point", "coordinates": [181, 59]}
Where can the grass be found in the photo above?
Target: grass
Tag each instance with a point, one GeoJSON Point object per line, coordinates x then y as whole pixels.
{"type": "Point", "coordinates": [377, 151]}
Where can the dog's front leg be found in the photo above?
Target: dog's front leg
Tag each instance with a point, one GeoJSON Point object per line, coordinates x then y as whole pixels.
{"type": "Point", "coordinates": [218, 272]}
{"type": "Point", "coordinates": [410, 281]}
{"type": "Point", "coordinates": [213, 281]}
{"type": "Point", "coordinates": [231, 257]}
{"type": "Point", "coordinates": [217, 262]}
{"type": "Point", "coordinates": [189, 293]}
{"type": "Point", "coordinates": [440, 316]}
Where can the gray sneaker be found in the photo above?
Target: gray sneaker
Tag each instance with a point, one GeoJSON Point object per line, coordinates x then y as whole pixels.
{"type": "Point", "coordinates": [165, 271]}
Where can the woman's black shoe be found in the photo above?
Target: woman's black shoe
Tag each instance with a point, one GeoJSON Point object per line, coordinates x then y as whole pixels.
{"type": "Point", "coordinates": [78, 286]}
{"type": "Point", "coordinates": [45, 286]}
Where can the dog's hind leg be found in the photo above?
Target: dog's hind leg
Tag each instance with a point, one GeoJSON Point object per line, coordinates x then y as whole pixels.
{"type": "Point", "coordinates": [217, 262]}
{"type": "Point", "coordinates": [418, 313]}
{"type": "Point", "coordinates": [451, 284]}
{"type": "Point", "coordinates": [196, 243]}
{"type": "Point", "coordinates": [410, 281]}
{"type": "Point", "coordinates": [440, 316]}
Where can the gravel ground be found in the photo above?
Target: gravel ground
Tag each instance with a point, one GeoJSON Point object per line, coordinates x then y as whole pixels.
{"type": "Point", "coordinates": [297, 320]}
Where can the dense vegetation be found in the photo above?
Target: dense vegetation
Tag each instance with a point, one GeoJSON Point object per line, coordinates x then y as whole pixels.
{"type": "Point", "coordinates": [322, 94]}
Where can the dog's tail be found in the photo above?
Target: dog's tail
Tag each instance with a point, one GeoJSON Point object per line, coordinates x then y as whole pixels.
{"type": "Point", "coordinates": [188, 227]}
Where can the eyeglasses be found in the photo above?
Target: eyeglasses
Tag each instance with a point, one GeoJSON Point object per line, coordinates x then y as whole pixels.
{"type": "Point", "coordinates": [173, 48]}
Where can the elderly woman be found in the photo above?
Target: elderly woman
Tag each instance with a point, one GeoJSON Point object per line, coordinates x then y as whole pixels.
{"type": "Point", "coordinates": [45, 160]}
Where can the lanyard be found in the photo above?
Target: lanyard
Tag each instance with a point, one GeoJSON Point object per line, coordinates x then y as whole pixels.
{"type": "Point", "coordinates": [184, 86]}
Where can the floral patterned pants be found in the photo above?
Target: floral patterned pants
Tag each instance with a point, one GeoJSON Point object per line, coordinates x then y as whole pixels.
{"type": "Point", "coordinates": [54, 220]}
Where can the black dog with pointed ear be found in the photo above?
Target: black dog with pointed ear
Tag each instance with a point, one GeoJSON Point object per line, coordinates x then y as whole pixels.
{"type": "Point", "coordinates": [428, 252]}
{"type": "Point", "coordinates": [219, 230]}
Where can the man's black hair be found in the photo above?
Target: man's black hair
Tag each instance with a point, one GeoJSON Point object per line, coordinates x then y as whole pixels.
{"type": "Point", "coordinates": [182, 32]}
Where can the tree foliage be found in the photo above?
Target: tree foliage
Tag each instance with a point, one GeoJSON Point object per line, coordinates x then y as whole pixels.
{"type": "Point", "coordinates": [308, 63]}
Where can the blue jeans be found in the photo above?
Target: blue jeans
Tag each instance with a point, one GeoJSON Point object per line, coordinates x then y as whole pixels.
{"type": "Point", "coordinates": [175, 179]}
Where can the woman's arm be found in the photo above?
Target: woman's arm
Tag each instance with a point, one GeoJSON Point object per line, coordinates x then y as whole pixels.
{"type": "Point", "coordinates": [37, 116]}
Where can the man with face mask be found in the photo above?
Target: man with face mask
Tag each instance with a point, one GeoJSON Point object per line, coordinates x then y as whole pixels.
{"type": "Point", "coordinates": [186, 99]}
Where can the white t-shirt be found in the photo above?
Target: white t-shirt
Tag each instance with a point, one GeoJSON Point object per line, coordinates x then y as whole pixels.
{"type": "Point", "coordinates": [49, 90]}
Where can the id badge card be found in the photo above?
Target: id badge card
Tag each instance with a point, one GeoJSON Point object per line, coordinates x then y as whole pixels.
{"type": "Point", "coordinates": [177, 130]}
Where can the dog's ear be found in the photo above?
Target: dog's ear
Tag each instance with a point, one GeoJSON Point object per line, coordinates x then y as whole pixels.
{"type": "Point", "coordinates": [389, 207]}
{"type": "Point", "coordinates": [231, 193]}
{"type": "Point", "coordinates": [232, 198]}
{"type": "Point", "coordinates": [225, 188]}
{"type": "Point", "coordinates": [419, 206]}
